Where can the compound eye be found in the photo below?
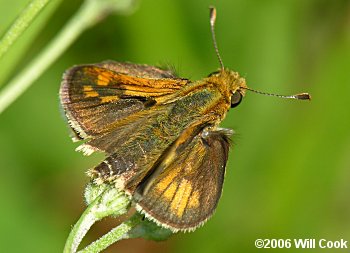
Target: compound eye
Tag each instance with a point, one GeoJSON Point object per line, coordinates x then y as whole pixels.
{"type": "Point", "coordinates": [236, 99]}
{"type": "Point", "coordinates": [214, 73]}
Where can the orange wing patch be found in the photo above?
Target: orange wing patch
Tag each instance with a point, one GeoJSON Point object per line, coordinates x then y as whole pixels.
{"type": "Point", "coordinates": [169, 193]}
{"type": "Point", "coordinates": [164, 183]}
{"type": "Point", "coordinates": [108, 99]}
{"type": "Point", "coordinates": [179, 195]}
{"type": "Point", "coordinates": [181, 198]}
{"type": "Point", "coordinates": [89, 92]}
{"type": "Point", "coordinates": [104, 78]}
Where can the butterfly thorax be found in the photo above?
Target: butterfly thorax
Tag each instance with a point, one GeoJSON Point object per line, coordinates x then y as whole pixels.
{"type": "Point", "coordinates": [215, 92]}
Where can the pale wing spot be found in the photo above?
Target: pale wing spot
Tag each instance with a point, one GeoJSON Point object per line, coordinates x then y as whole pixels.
{"type": "Point", "coordinates": [89, 92]}
{"type": "Point", "coordinates": [163, 184]}
{"type": "Point", "coordinates": [194, 200]}
{"type": "Point", "coordinates": [181, 198]}
{"type": "Point", "coordinates": [169, 193]}
{"type": "Point", "coordinates": [107, 99]}
{"type": "Point", "coordinates": [102, 80]}
{"type": "Point", "coordinates": [87, 88]}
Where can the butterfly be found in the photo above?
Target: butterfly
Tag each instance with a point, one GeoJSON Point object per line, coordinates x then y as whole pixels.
{"type": "Point", "coordinates": [160, 134]}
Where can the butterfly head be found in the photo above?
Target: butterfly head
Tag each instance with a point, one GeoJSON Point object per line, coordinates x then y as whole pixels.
{"type": "Point", "coordinates": [226, 79]}
{"type": "Point", "coordinates": [230, 84]}
{"type": "Point", "coordinates": [231, 80]}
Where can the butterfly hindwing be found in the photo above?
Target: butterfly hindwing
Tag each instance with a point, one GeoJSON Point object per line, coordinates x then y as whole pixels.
{"type": "Point", "coordinates": [185, 193]}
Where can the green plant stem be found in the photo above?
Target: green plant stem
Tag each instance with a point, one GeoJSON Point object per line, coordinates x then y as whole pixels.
{"type": "Point", "coordinates": [86, 220]}
{"type": "Point", "coordinates": [20, 24]}
{"type": "Point", "coordinates": [89, 13]}
{"type": "Point", "coordinates": [116, 234]}
{"type": "Point", "coordinates": [110, 202]}
{"type": "Point", "coordinates": [79, 231]}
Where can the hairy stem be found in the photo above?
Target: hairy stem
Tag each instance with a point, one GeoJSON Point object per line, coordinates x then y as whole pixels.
{"type": "Point", "coordinates": [109, 202]}
{"type": "Point", "coordinates": [116, 234]}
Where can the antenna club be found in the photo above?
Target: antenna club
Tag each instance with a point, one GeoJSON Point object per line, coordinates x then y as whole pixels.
{"type": "Point", "coordinates": [300, 96]}
{"type": "Point", "coordinates": [303, 96]}
{"type": "Point", "coordinates": [212, 12]}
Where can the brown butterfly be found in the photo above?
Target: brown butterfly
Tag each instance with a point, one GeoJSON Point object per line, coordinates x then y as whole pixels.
{"type": "Point", "coordinates": [160, 133]}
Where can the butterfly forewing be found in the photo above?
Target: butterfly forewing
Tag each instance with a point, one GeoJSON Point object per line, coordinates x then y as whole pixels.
{"type": "Point", "coordinates": [139, 70]}
{"type": "Point", "coordinates": [95, 97]}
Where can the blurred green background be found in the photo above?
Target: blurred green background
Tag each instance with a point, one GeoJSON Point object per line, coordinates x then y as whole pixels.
{"type": "Point", "coordinates": [289, 170]}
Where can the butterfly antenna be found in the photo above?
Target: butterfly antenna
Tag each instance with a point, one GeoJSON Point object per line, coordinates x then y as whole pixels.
{"type": "Point", "coordinates": [300, 96]}
{"type": "Point", "coordinates": [212, 28]}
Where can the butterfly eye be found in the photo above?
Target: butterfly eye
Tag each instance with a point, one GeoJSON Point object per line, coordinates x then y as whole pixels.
{"type": "Point", "coordinates": [214, 73]}
{"type": "Point", "coordinates": [236, 99]}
